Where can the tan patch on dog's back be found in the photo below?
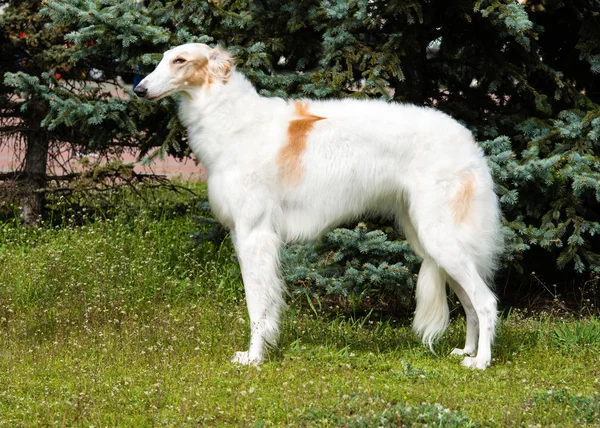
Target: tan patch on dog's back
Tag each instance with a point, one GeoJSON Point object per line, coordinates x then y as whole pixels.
{"type": "Point", "coordinates": [289, 159]}
{"type": "Point", "coordinates": [461, 203]}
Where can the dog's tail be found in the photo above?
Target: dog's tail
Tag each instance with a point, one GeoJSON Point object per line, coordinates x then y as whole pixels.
{"type": "Point", "coordinates": [432, 314]}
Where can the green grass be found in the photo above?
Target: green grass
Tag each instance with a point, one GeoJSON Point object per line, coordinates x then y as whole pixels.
{"type": "Point", "coordinates": [125, 322]}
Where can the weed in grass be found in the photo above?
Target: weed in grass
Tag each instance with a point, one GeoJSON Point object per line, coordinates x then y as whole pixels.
{"type": "Point", "coordinates": [411, 371]}
{"type": "Point", "coordinates": [517, 334]}
{"type": "Point", "coordinates": [399, 415]}
{"type": "Point", "coordinates": [577, 409]}
{"type": "Point", "coordinates": [579, 333]}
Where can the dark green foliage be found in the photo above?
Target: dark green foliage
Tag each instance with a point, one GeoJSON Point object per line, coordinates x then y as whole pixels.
{"type": "Point", "coordinates": [577, 409]}
{"type": "Point", "coordinates": [522, 77]}
{"type": "Point", "coordinates": [209, 229]}
{"type": "Point", "coordinates": [550, 191]}
{"type": "Point", "coordinates": [94, 42]}
{"type": "Point", "coordinates": [399, 415]}
{"type": "Point", "coordinates": [352, 263]}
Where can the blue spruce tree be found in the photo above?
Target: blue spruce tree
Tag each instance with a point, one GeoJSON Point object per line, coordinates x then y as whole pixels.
{"type": "Point", "coordinates": [522, 76]}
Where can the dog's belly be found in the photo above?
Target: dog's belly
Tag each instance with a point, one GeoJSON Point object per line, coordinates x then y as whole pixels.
{"type": "Point", "coordinates": [306, 218]}
{"type": "Point", "coordinates": [298, 224]}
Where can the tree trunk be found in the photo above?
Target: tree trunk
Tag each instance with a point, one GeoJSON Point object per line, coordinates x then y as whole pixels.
{"type": "Point", "coordinates": [34, 176]}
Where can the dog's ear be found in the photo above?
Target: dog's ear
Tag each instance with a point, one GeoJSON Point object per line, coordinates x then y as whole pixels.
{"type": "Point", "coordinates": [220, 64]}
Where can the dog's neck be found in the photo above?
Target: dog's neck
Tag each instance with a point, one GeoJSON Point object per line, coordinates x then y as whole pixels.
{"type": "Point", "coordinates": [213, 113]}
{"type": "Point", "coordinates": [199, 103]}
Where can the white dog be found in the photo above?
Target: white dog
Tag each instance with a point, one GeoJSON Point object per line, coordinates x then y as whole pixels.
{"type": "Point", "coordinates": [286, 170]}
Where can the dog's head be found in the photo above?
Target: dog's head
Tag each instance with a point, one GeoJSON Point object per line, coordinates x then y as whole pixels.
{"type": "Point", "coordinates": [185, 68]}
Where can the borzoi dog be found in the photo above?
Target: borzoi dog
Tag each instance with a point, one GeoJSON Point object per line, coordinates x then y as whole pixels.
{"type": "Point", "coordinates": [290, 170]}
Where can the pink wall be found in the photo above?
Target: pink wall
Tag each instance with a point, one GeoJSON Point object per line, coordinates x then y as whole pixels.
{"type": "Point", "coordinates": [169, 166]}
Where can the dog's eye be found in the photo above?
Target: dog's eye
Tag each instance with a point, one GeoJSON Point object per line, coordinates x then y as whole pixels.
{"type": "Point", "coordinates": [178, 61]}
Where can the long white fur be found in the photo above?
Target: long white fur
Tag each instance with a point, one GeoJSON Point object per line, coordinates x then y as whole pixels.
{"type": "Point", "coordinates": [361, 157]}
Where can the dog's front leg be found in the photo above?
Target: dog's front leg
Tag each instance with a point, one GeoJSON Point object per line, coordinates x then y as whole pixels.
{"type": "Point", "coordinates": [258, 253]}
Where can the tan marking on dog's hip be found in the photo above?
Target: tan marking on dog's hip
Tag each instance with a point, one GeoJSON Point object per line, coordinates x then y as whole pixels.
{"type": "Point", "coordinates": [461, 202]}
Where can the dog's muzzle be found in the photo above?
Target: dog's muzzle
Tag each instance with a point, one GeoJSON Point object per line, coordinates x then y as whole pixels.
{"type": "Point", "coordinates": [141, 91]}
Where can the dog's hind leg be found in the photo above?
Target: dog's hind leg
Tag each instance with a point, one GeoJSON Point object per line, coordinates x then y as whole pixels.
{"type": "Point", "coordinates": [443, 244]}
{"type": "Point", "coordinates": [472, 320]}
{"type": "Point", "coordinates": [464, 276]}
{"type": "Point", "coordinates": [258, 253]}
{"type": "Point", "coordinates": [485, 307]}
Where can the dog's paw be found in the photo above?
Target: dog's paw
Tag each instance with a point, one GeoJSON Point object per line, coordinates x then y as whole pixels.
{"type": "Point", "coordinates": [462, 351]}
{"type": "Point", "coordinates": [246, 359]}
{"type": "Point", "coordinates": [476, 363]}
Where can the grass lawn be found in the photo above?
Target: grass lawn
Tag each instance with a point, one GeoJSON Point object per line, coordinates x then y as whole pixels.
{"type": "Point", "coordinates": [125, 322]}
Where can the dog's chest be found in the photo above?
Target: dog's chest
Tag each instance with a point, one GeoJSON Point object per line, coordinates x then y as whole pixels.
{"type": "Point", "coordinates": [220, 200]}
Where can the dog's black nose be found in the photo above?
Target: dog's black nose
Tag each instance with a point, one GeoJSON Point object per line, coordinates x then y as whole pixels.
{"type": "Point", "coordinates": [141, 91]}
